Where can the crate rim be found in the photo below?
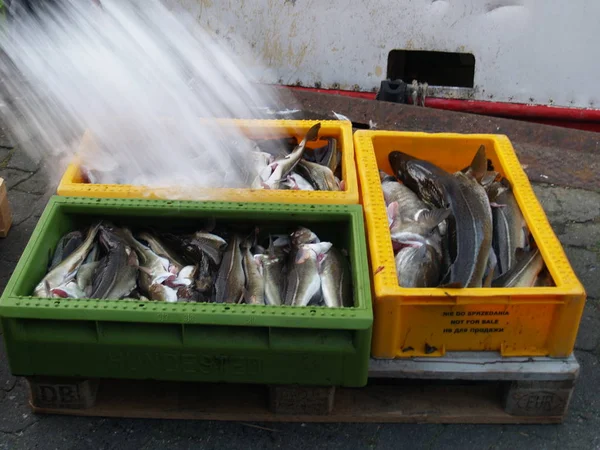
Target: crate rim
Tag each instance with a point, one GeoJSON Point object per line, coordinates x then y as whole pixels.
{"type": "Point", "coordinates": [28, 307]}
{"type": "Point", "coordinates": [567, 283]}
{"type": "Point", "coordinates": [66, 187]}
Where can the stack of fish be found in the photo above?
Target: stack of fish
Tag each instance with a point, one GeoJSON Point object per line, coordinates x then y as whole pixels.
{"type": "Point", "coordinates": [286, 164]}
{"type": "Point", "coordinates": [109, 262]}
{"type": "Point", "coordinates": [298, 167]}
{"type": "Point", "coordinates": [457, 230]}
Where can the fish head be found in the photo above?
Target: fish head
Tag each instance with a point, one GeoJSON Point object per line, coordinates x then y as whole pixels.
{"type": "Point", "coordinates": [303, 235]}
{"type": "Point", "coordinates": [399, 160]}
{"type": "Point", "coordinates": [426, 180]}
{"type": "Point", "coordinates": [418, 267]}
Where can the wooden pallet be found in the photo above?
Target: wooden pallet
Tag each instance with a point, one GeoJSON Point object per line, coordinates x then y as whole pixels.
{"type": "Point", "coordinates": [459, 388]}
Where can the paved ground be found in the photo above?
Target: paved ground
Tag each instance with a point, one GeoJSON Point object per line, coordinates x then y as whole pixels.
{"type": "Point", "coordinates": [575, 215]}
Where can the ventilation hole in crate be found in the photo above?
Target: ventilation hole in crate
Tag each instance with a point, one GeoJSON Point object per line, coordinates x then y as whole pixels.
{"type": "Point", "coordinates": [57, 303]}
{"type": "Point", "coordinates": [227, 308]}
{"type": "Point", "coordinates": [141, 305]}
{"type": "Point", "coordinates": [313, 312]}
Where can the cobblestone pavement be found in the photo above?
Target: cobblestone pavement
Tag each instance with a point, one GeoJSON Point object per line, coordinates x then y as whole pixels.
{"type": "Point", "coordinates": [574, 214]}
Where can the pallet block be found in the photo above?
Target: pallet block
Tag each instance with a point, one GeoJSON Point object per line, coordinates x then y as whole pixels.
{"type": "Point", "coordinates": [5, 212]}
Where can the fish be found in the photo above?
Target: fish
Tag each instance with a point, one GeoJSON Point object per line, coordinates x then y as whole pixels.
{"type": "Point", "coordinates": [66, 245]}
{"type": "Point", "coordinates": [336, 282]}
{"type": "Point", "coordinates": [333, 156]}
{"type": "Point", "coordinates": [115, 275]}
{"type": "Point", "coordinates": [274, 270]}
{"type": "Point", "coordinates": [303, 281]}
{"type": "Point", "coordinates": [205, 276]}
{"type": "Point", "coordinates": [254, 292]}
{"type": "Point", "coordinates": [261, 160]}
{"type": "Point", "coordinates": [67, 269]}
{"type": "Point", "coordinates": [160, 292]}
{"type": "Point", "coordinates": [193, 247]}
{"type": "Point", "coordinates": [68, 290]}
{"type": "Point", "coordinates": [278, 170]}
{"type": "Point", "coordinates": [154, 269]}
{"type": "Point", "coordinates": [481, 212]}
{"type": "Point", "coordinates": [185, 277]}
{"type": "Point", "coordinates": [328, 155]}
{"type": "Point", "coordinates": [297, 182]}
{"type": "Point", "coordinates": [524, 273]}
{"type": "Point", "coordinates": [410, 220]}
{"type": "Point", "coordinates": [190, 295]}
{"type": "Point", "coordinates": [320, 177]}
{"type": "Point", "coordinates": [230, 281]}
{"type": "Point", "coordinates": [176, 263]}
{"type": "Point", "coordinates": [417, 267]}
{"type": "Point", "coordinates": [209, 244]}
{"type": "Point", "coordinates": [277, 147]}
{"type": "Point", "coordinates": [490, 271]}
{"type": "Point", "coordinates": [510, 231]}
{"type": "Point", "coordinates": [303, 235]}
{"type": "Point", "coordinates": [85, 275]}
{"type": "Point", "coordinates": [470, 223]}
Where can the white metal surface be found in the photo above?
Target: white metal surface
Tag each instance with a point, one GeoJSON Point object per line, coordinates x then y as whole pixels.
{"type": "Point", "coordinates": [526, 51]}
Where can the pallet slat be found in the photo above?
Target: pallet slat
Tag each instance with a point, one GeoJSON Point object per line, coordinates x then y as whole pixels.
{"type": "Point", "coordinates": [375, 403]}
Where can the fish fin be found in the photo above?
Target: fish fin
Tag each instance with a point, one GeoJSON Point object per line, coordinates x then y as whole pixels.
{"type": "Point", "coordinates": [497, 205]}
{"type": "Point", "coordinates": [492, 264]}
{"type": "Point", "coordinates": [392, 212]}
{"type": "Point", "coordinates": [479, 164]}
{"type": "Point", "coordinates": [242, 296]}
{"type": "Point", "coordinates": [489, 177]}
{"type": "Point", "coordinates": [302, 255]}
{"type": "Point", "coordinates": [433, 217]}
{"type": "Point", "coordinates": [313, 133]}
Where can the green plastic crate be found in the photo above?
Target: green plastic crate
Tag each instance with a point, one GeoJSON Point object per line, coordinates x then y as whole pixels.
{"type": "Point", "coordinates": [188, 341]}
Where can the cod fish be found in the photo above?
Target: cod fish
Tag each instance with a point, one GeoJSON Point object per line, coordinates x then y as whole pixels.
{"type": "Point", "coordinates": [158, 247]}
{"type": "Point", "coordinates": [68, 290]}
{"type": "Point", "coordinates": [510, 230]}
{"type": "Point", "coordinates": [412, 226]}
{"type": "Point", "coordinates": [274, 271]}
{"type": "Point", "coordinates": [230, 282]}
{"type": "Point", "coordinates": [524, 273]}
{"type": "Point", "coordinates": [193, 247]}
{"type": "Point", "coordinates": [204, 280]}
{"type": "Point", "coordinates": [418, 267]}
{"type": "Point", "coordinates": [254, 292]}
{"type": "Point", "coordinates": [154, 269]}
{"type": "Point", "coordinates": [115, 276]}
{"type": "Point", "coordinates": [303, 235]}
{"type": "Point", "coordinates": [66, 245]}
{"type": "Point", "coordinates": [411, 221]}
{"type": "Point", "coordinates": [303, 282]}
{"type": "Point", "coordinates": [336, 282]}
{"type": "Point", "coordinates": [320, 177]}
{"type": "Point", "coordinates": [471, 218]}
{"type": "Point", "coordinates": [276, 173]}
{"type": "Point", "coordinates": [298, 182]}
{"type": "Point", "coordinates": [67, 269]}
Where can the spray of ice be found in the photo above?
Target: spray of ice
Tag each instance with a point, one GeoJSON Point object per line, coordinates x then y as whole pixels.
{"type": "Point", "coordinates": [143, 81]}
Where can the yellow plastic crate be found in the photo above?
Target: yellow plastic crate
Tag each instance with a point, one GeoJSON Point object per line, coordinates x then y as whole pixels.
{"type": "Point", "coordinates": [72, 183]}
{"type": "Point", "coordinates": [538, 321]}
